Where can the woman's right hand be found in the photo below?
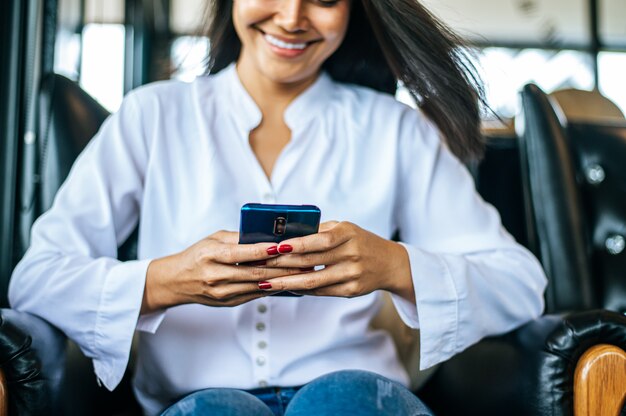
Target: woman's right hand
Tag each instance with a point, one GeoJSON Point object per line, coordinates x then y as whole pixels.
{"type": "Point", "coordinates": [208, 273]}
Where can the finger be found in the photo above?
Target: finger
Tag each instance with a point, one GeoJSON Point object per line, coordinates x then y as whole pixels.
{"type": "Point", "coordinates": [229, 237]}
{"type": "Point", "coordinates": [255, 274]}
{"type": "Point", "coordinates": [322, 241]}
{"type": "Point", "coordinates": [307, 260]}
{"type": "Point", "coordinates": [325, 226]}
{"type": "Point", "coordinates": [234, 301]}
{"type": "Point", "coordinates": [224, 292]}
{"type": "Point", "coordinates": [342, 290]}
{"type": "Point", "coordinates": [229, 253]}
{"type": "Point", "coordinates": [304, 281]}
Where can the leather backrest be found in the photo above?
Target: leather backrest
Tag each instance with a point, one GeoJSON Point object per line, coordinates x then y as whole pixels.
{"type": "Point", "coordinates": [68, 119]}
{"type": "Point", "coordinates": [498, 181]}
{"type": "Point", "coordinates": [600, 158]}
{"type": "Point", "coordinates": [586, 106]}
{"type": "Point", "coordinates": [556, 221]}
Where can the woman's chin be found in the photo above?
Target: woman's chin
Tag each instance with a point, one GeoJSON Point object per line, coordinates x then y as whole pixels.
{"type": "Point", "coordinates": [288, 73]}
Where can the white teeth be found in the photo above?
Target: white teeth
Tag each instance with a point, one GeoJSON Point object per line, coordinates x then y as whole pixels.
{"type": "Point", "coordinates": [284, 45]}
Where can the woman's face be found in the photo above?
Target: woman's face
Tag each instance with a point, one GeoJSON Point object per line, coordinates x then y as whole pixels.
{"type": "Point", "coordinates": [287, 41]}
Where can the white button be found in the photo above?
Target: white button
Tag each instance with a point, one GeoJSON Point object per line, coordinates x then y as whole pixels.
{"type": "Point", "coordinates": [260, 360]}
{"type": "Point", "coordinates": [260, 326]}
{"type": "Point", "coordinates": [269, 197]}
{"type": "Point", "coordinates": [262, 308]}
{"type": "Point", "coordinates": [262, 344]}
{"type": "Point", "coordinates": [263, 383]}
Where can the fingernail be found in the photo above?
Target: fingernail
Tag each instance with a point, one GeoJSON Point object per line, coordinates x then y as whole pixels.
{"type": "Point", "coordinates": [272, 251]}
{"type": "Point", "coordinates": [265, 285]}
{"type": "Point", "coordinates": [307, 269]}
{"type": "Point", "coordinates": [258, 263]}
{"type": "Point", "coordinates": [285, 248]}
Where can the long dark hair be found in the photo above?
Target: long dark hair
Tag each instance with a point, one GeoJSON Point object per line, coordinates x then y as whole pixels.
{"type": "Point", "coordinates": [387, 41]}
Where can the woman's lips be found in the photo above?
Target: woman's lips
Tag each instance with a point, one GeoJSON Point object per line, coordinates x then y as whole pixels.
{"type": "Point", "coordinates": [273, 40]}
{"type": "Point", "coordinates": [284, 48]}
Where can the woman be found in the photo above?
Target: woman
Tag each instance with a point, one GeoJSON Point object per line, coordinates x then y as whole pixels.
{"type": "Point", "coordinates": [290, 115]}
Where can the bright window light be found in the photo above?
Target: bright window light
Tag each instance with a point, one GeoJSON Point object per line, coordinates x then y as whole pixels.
{"type": "Point", "coordinates": [102, 64]}
{"type": "Point", "coordinates": [189, 55]}
{"type": "Point", "coordinates": [67, 54]}
{"type": "Point", "coordinates": [506, 71]}
{"type": "Point", "coordinates": [612, 68]}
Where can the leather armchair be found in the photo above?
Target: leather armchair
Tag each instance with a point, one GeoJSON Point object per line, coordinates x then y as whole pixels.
{"type": "Point", "coordinates": [571, 200]}
{"type": "Point", "coordinates": [575, 185]}
{"type": "Point", "coordinates": [529, 371]}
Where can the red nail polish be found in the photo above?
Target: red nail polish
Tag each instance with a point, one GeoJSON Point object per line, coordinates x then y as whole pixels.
{"type": "Point", "coordinates": [272, 251]}
{"type": "Point", "coordinates": [285, 248]}
{"type": "Point", "coordinates": [265, 285]}
{"type": "Point", "coordinates": [257, 263]}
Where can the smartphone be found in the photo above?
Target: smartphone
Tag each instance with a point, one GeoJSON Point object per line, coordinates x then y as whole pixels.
{"type": "Point", "coordinates": [267, 223]}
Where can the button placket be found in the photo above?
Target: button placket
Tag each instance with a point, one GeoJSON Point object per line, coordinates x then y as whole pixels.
{"type": "Point", "coordinates": [260, 340]}
{"type": "Point", "coordinates": [268, 197]}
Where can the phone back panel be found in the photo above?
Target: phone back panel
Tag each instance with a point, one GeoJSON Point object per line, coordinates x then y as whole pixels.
{"type": "Point", "coordinates": [258, 222]}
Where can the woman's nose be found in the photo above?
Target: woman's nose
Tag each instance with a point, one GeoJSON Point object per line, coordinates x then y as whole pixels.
{"type": "Point", "coordinates": [291, 16]}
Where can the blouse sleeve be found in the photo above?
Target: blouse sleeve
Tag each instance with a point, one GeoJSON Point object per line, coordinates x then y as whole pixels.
{"type": "Point", "coordinates": [70, 275]}
{"type": "Point", "coordinates": [471, 278]}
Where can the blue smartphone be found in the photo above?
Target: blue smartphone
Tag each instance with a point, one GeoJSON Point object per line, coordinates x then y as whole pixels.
{"type": "Point", "coordinates": [266, 223]}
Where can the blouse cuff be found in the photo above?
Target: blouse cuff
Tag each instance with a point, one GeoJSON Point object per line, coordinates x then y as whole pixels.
{"type": "Point", "coordinates": [116, 320]}
{"type": "Point", "coordinates": [150, 322]}
{"type": "Point", "coordinates": [436, 313]}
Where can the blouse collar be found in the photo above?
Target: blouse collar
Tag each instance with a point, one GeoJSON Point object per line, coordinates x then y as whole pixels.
{"type": "Point", "coordinates": [303, 109]}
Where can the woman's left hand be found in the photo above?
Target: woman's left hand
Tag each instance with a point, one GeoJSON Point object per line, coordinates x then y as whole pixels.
{"type": "Point", "coordinates": [357, 262]}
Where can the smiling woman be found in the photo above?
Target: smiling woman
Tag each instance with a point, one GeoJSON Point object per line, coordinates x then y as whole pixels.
{"type": "Point", "coordinates": [384, 42]}
{"type": "Point", "coordinates": [296, 109]}
{"type": "Point", "coordinates": [287, 42]}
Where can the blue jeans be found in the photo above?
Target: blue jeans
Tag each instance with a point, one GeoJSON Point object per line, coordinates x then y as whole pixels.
{"type": "Point", "coordinates": [340, 393]}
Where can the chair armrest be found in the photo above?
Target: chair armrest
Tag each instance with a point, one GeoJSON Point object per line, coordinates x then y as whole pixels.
{"type": "Point", "coordinates": [65, 379]}
{"type": "Point", "coordinates": [529, 371]}
{"type": "Point", "coordinates": [32, 357]}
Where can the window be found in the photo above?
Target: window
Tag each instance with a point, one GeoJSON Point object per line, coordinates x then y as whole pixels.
{"type": "Point", "coordinates": [612, 68]}
{"type": "Point", "coordinates": [505, 71]}
{"type": "Point", "coordinates": [90, 49]}
{"type": "Point", "coordinates": [102, 63]}
{"type": "Point", "coordinates": [188, 56]}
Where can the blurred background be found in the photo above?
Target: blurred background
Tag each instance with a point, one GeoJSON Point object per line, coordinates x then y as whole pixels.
{"type": "Point", "coordinates": [558, 183]}
{"type": "Point", "coordinates": [556, 44]}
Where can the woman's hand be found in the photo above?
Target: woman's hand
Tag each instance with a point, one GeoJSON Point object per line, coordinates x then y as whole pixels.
{"type": "Point", "coordinates": [357, 262]}
{"type": "Point", "coordinates": [208, 273]}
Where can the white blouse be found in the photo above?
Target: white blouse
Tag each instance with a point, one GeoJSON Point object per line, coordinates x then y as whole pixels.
{"type": "Point", "coordinates": [176, 159]}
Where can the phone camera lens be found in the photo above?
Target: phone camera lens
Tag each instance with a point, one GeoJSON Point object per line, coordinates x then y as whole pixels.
{"type": "Point", "coordinates": [280, 223]}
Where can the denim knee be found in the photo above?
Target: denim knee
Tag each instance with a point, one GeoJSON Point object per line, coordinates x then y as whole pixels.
{"type": "Point", "coordinates": [219, 402]}
{"type": "Point", "coordinates": [355, 392]}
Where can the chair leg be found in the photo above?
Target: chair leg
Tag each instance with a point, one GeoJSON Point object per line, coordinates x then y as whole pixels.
{"type": "Point", "coordinates": [4, 400]}
{"type": "Point", "coordinates": [600, 382]}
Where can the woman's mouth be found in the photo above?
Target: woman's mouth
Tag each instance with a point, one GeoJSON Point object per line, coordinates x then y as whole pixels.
{"type": "Point", "coordinates": [284, 45]}
{"type": "Point", "coordinates": [286, 48]}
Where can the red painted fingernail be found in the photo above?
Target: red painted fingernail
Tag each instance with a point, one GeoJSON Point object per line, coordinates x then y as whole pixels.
{"type": "Point", "coordinates": [285, 248]}
{"type": "Point", "coordinates": [265, 285]}
{"type": "Point", "coordinates": [307, 269]}
{"type": "Point", "coordinates": [258, 263]}
{"type": "Point", "coordinates": [272, 251]}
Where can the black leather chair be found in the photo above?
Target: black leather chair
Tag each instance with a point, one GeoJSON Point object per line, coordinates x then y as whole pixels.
{"type": "Point", "coordinates": [529, 371]}
{"type": "Point", "coordinates": [575, 182]}
{"type": "Point", "coordinates": [45, 372]}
